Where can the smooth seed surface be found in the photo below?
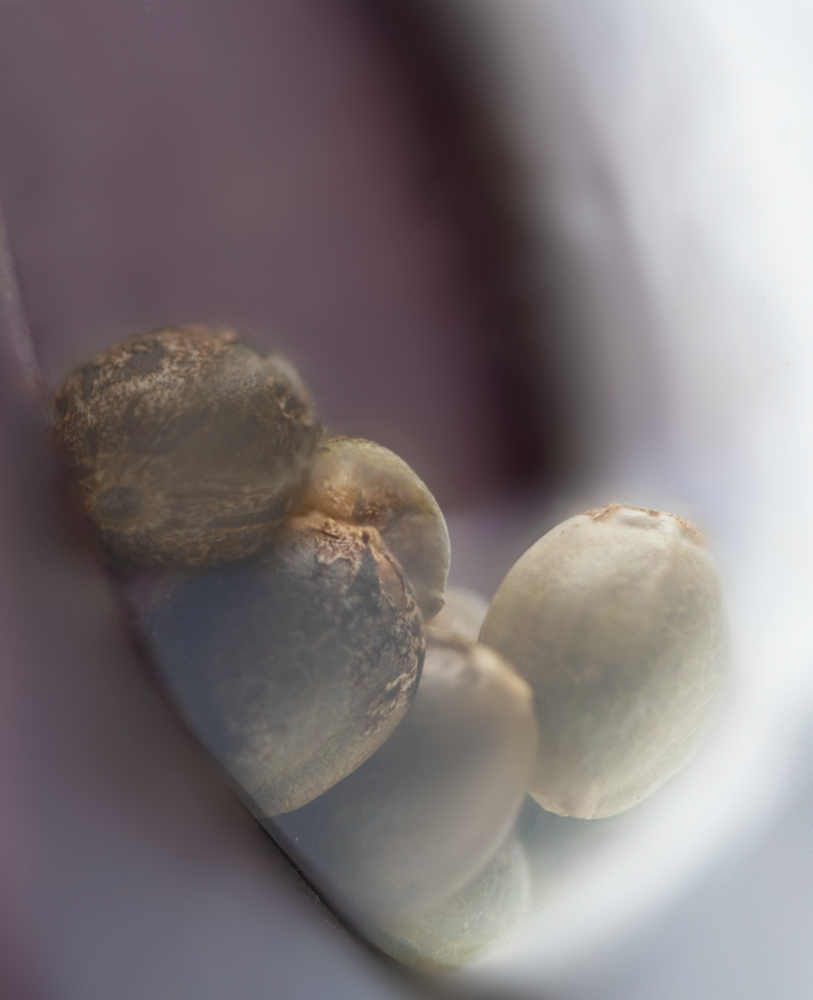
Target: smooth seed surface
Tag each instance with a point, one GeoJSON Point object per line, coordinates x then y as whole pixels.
{"type": "Point", "coordinates": [478, 919]}
{"type": "Point", "coordinates": [427, 812]}
{"type": "Point", "coordinates": [461, 616]}
{"type": "Point", "coordinates": [616, 620]}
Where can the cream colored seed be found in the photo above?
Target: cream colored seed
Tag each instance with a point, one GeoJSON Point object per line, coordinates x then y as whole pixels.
{"type": "Point", "coordinates": [426, 813]}
{"type": "Point", "coordinates": [478, 919]}
{"type": "Point", "coordinates": [616, 620]}
{"type": "Point", "coordinates": [462, 615]}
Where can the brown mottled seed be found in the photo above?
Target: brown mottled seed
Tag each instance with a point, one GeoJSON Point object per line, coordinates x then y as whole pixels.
{"type": "Point", "coordinates": [187, 446]}
{"type": "Point", "coordinates": [425, 814]}
{"type": "Point", "coordinates": [293, 668]}
{"type": "Point", "coordinates": [363, 483]}
{"type": "Point", "coordinates": [483, 916]}
{"type": "Point", "coordinates": [616, 620]}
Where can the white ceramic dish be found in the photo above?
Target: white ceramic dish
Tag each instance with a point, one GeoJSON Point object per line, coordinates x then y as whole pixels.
{"type": "Point", "coordinates": [670, 148]}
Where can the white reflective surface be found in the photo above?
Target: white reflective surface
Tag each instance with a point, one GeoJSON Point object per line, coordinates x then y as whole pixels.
{"type": "Point", "coordinates": [671, 145]}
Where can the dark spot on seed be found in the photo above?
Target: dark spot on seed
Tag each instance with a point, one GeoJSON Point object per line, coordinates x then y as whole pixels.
{"type": "Point", "coordinates": [91, 442]}
{"type": "Point", "coordinates": [61, 404]}
{"type": "Point", "coordinates": [89, 375]}
{"type": "Point", "coordinates": [144, 361]}
{"type": "Point", "coordinates": [119, 503]}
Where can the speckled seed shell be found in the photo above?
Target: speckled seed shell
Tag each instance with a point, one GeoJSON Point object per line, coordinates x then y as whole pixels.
{"type": "Point", "coordinates": [616, 620]}
{"type": "Point", "coordinates": [483, 916]}
{"type": "Point", "coordinates": [294, 668]}
{"type": "Point", "coordinates": [363, 483]}
{"type": "Point", "coordinates": [186, 446]}
{"type": "Point", "coordinates": [427, 812]}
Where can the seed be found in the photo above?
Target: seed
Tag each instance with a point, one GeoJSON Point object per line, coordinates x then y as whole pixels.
{"type": "Point", "coordinates": [476, 920]}
{"type": "Point", "coordinates": [616, 620]}
{"type": "Point", "coordinates": [427, 812]}
{"type": "Point", "coordinates": [296, 666]}
{"type": "Point", "coordinates": [461, 617]}
{"type": "Point", "coordinates": [362, 483]}
{"type": "Point", "coordinates": [186, 446]}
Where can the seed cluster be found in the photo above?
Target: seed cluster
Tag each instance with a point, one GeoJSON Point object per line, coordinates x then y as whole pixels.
{"type": "Point", "coordinates": [423, 816]}
{"type": "Point", "coordinates": [389, 740]}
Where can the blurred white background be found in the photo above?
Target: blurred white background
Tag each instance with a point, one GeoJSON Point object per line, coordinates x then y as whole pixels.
{"type": "Point", "coordinates": [679, 139]}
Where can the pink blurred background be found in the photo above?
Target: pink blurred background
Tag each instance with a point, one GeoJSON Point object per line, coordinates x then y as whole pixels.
{"type": "Point", "coordinates": [320, 175]}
